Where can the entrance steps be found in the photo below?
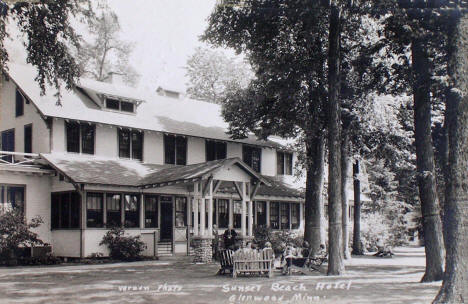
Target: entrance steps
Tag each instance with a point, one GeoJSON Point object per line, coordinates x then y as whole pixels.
{"type": "Point", "coordinates": [165, 248]}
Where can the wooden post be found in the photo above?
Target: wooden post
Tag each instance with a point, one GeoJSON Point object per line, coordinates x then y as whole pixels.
{"type": "Point", "coordinates": [267, 206]}
{"type": "Point", "coordinates": [156, 240]}
{"type": "Point", "coordinates": [250, 218]}
{"type": "Point", "coordinates": [195, 209]}
{"type": "Point", "coordinates": [142, 211]}
{"type": "Point", "coordinates": [104, 210]}
{"type": "Point", "coordinates": [244, 211]}
{"type": "Point", "coordinates": [83, 223]}
{"type": "Point", "coordinates": [210, 208]}
{"type": "Point", "coordinates": [231, 212]}
{"type": "Point", "coordinates": [202, 216]}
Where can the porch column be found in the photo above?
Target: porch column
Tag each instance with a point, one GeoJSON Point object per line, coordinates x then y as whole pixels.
{"type": "Point", "coordinates": [231, 213]}
{"type": "Point", "coordinates": [202, 216]}
{"type": "Point", "coordinates": [142, 211]}
{"type": "Point", "coordinates": [267, 206]}
{"type": "Point", "coordinates": [210, 208]}
{"type": "Point", "coordinates": [82, 223]}
{"type": "Point", "coordinates": [301, 216]}
{"type": "Point", "coordinates": [195, 209]}
{"type": "Point", "coordinates": [250, 230]}
{"type": "Point", "coordinates": [244, 211]}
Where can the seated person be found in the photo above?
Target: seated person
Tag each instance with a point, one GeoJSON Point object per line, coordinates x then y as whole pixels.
{"type": "Point", "coordinates": [229, 238]}
{"type": "Point", "coordinates": [270, 249]}
{"type": "Point", "coordinates": [288, 255]}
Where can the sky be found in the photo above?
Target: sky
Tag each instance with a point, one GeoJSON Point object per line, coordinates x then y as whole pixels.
{"type": "Point", "coordinates": [165, 33]}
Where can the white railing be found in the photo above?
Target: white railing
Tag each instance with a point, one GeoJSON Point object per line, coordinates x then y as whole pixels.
{"type": "Point", "coordinates": [8, 158]}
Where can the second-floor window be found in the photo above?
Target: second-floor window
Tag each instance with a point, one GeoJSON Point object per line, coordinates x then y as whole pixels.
{"type": "Point", "coordinates": [28, 139]}
{"type": "Point", "coordinates": [175, 150]}
{"type": "Point", "coordinates": [130, 144]}
{"type": "Point", "coordinates": [8, 143]}
{"type": "Point", "coordinates": [252, 156]}
{"type": "Point", "coordinates": [215, 150]}
{"type": "Point", "coordinates": [119, 105]}
{"type": "Point", "coordinates": [284, 163]}
{"type": "Point", "coordinates": [19, 104]}
{"type": "Point", "coordinates": [80, 137]}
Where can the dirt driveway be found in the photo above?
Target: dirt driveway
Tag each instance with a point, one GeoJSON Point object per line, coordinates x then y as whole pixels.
{"type": "Point", "coordinates": [367, 280]}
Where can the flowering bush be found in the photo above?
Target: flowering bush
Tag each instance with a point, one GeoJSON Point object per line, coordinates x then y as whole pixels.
{"type": "Point", "coordinates": [126, 248]}
{"type": "Point", "coordinates": [278, 240]}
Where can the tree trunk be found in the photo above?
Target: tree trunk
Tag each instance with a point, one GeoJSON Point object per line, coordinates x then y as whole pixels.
{"type": "Point", "coordinates": [357, 245]}
{"type": "Point", "coordinates": [314, 186]}
{"type": "Point", "coordinates": [345, 168]}
{"type": "Point", "coordinates": [426, 177]}
{"type": "Point", "coordinates": [335, 237]}
{"type": "Point", "coordinates": [453, 288]}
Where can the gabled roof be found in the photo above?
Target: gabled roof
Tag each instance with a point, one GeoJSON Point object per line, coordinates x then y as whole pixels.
{"type": "Point", "coordinates": [197, 171]}
{"type": "Point", "coordinates": [155, 113]}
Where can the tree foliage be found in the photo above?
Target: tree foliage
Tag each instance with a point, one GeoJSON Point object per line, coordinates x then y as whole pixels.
{"type": "Point", "coordinates": [105, 52]}
{"type": "Point", "coordinates": [213, 75]}
{"type": "Point", "coordinates": [48, 37]}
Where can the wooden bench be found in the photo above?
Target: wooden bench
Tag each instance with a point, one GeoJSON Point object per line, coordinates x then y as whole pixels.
{"type": "Point", "coordinates": [225, 260]}
{"type": "Point", "coordinates": [253, 262]}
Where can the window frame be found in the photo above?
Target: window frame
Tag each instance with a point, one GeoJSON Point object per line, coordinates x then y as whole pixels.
{"type": "Point", "coordinates": [76, 126]}
{"type": "Point", "coordinates": [119, 105]}
{"type": "Point", "coordinates": [215, 144]}
{"type": "Point", "coordinates": [156, 211]}
{"type": "Point", "coordinates": [183, 211]}
{"type": "Point", "coordinates": [285, 166]}
{"type": "Point", "coordinates": [28, 143]}
{"type": "Point", "coordinates": [131, 148]}
{"type": "Point", "coordinates": [59, 208]}
{"type": "Point", "coordinates": [4, 134]}
{"type": "Point", "coordinates": [100, 223]}
{"type": "Point", "coordinates": [19, 104]}
{"type": "Point", "coordinates": [106, 208]}
{"type": "Point", "coordinates": [278, 215]}
{"type": "Point", "coordinates": [4, 195]}
{"type": "Point", "coordinates": [247, 156]}
{"type": "Point", "coordinates": [127, 212]}
{"type": "Point", "coordinates": [176, 155]}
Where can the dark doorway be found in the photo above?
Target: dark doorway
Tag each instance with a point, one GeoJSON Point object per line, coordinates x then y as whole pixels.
{"type": "Point", "coordinates": [166, 218]}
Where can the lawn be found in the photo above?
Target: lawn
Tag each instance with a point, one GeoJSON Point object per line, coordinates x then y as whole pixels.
{"type": "Point", "coordinates": [176, 280]}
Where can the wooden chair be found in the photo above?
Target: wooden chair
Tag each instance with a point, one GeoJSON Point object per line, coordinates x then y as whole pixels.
{"type": "Point", "coordinates": [253, 263]}
{"type": "Point", "coordinates": [225, 260]}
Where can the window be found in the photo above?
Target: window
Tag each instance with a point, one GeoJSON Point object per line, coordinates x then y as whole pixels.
{"type": "Point", "coordinates": [237, 214]}
{"type": "Point", "coordinates": [274, 215]}
{"type": "Point", "coordinates": [175, 150]}
{"type": "Point", "coordinates": [8, 143]}
{"type": "Point", "coordinates": [223, 213]}
{"type": "Point", "coordinates": [252, 156]}
{"type": "Point", "coordinates": [127, 106]}
{"type": "Point", "coordinates": [94, 211]}
{"type": "Point", "coordinates": [28, 139]}
{"type": "Point", "coordinates": [19, 104]}
{"type": "Point", "coordinates": [65, 210]}
{"type": "Point", "coordinates": [215, 150]}
{"type": "Point", "coordinates": [181, 211]}
{"type": "Point", "coordinates": [284, 215]}
{"type": "Point", "coordinates": [295, 221]}
{"type": "Point", "coordinates": [112, 104]}
{"type": "Point", "coordinates": [151, 211]}
{"type": "Point", "coordinates": [113, 210]}
{"type": "Point", "coordinates": [80, 137]}
{"type": "Point", "coordinates": [130, 144]}
{"type": "Point", "coordinates": [261, 213]}
{"type": "Point", "coordinates": [12, 197]}
{"type": "Point", "coordinates": [284, 163]}
{"type": "Point", "coordinates": [119, 105]}
{"type": "Point", "coordinates": [87, 138]}
{"type": "Point", "coordinates": [132, 207]}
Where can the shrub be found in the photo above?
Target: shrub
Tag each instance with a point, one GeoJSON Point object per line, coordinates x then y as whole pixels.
{"type": "Point", "coordinates": [16, 234]}
{"type": "Point", "coordinates": [126, 248]}
{"type": "Point", "coordinates": [374, 229]}
{"type": "Point", "coordinates": [278, 239]}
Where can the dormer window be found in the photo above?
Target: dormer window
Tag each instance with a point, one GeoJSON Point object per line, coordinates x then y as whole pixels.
{"type": "Point", "coordinates": [120, 105]}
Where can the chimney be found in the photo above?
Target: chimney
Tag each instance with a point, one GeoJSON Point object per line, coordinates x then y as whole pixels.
{"type": "Point", "coordinates": [116, 78]}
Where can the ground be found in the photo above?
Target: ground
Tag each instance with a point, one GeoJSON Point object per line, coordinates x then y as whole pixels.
{"type": "Point", "coordinates": [367, 280]}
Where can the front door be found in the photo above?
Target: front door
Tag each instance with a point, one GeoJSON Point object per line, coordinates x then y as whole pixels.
{"type": "Point", "coordinates": [166, 218]}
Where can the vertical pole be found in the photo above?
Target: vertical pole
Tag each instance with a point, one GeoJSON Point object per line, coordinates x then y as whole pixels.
{"type": "Point", "coordinates": [83, 223]}
{"type": "Point", "coordinates": [202, 216]}
{"type": "Point", "coordinates": [267, 206]}
{"type": "Point", "coordinates": [301, 215]}
{"type": "Point", "coordinates": [244, 211]}
{"type": "Point", "coordinates": [195, 209]}
{"type": "Point", "coordinates": [104, 210]}
{"type": "Point", "coordinates": [142, 211]}
{"type": "Point", "coordinates": [210, 208]}
{"type": "Point", "coordinates": [250, 218]}
{"type": "Point", "coordinates": [231, 210]}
